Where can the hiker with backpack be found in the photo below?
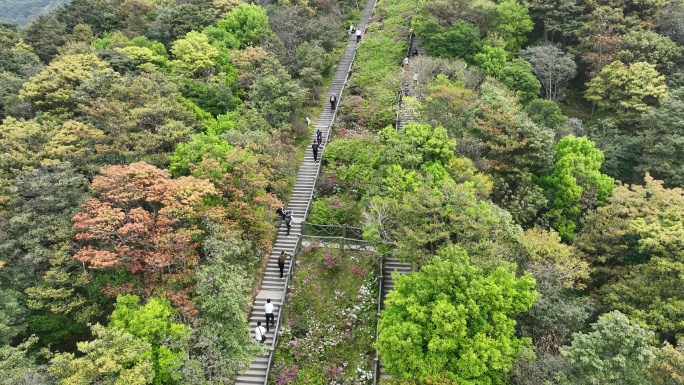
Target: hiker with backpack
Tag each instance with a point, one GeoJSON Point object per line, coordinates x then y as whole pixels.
{"type": "Point", "coordinates": [281, 262]}
{"type": "Point", "coordinates": [358, 35]}
{"type": "Point", "coordinates": [288, 221]}
{"type": "Point", "coordinates": [333, 103]}
{"type": "Point", "coordinates": [319, 137]}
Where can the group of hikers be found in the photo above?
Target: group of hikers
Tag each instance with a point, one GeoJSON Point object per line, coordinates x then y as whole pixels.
{"type": "Point", "coordinates": [286, 215]}
{"type": "Point", "coordinates": [405, 62]}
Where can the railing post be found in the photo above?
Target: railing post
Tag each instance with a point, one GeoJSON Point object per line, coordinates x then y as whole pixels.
{"type": "Point", "coordinates": [344, 237]}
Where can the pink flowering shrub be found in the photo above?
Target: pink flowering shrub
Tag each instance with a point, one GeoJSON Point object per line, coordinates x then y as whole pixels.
{"type": "Point", "coordinates": [330, 321]}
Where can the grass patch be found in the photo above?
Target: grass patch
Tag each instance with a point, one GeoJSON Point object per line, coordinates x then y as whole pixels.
{"type": "Point", "coordinates": [330, 320]}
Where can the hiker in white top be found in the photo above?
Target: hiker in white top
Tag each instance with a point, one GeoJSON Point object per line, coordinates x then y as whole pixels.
{"type": "Point", "coordinates": [260, 333]}
{"type": "Point", "coordinates": [268, 307]}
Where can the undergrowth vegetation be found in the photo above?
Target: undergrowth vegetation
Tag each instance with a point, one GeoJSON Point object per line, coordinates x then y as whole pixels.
{"type": "Point", "coordinates": [329, 324]}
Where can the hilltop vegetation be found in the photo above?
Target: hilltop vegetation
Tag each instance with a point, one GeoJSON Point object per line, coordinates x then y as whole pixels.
{"type": "Point", "coordinates": [538, 190]}
{"type": "Point", "coordinates": [531, 150]}
{"type": "Point", "coordinates": [146, 146]}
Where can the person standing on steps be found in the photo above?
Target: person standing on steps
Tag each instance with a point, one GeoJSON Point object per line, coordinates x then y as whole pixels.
{"type": "Point", "coordinates": [281, 262]}
{"type": "Point", "coordinates": [358, 35]}
{"type": "Point", "coordinates": [260, 333]}
{"type": "Point", "coordinates": [288, 221]}
{"type": "Point", "coordinates": [281, 211]}
{"type": "Point", "coordinates": [333, 103]}
{"type": "Point", "coordinates": [319, 137]}
{"type": "Point", "coordinates": [268, 309]}
{"type": "Point", "coordinates": [404, 63]}
{"type": "Point", "coordinates": [314, 147]}
{"type": "Point", "coordinates": [415, 52]}
{"type": "Point", "coordinates": [352, 30]}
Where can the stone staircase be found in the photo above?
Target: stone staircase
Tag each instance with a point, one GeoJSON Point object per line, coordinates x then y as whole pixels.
{"type": "Point", "coordinates": [390, 265]}
{"type": "Point", "coordinates": [273, 286]}
{"type": "Point", "coordinates": [406, 113]}
{"type": "Point", "coordinates": [415, 44]}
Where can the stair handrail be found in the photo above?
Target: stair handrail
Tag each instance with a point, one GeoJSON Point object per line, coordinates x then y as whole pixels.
{"type": "Point", "coordinates": [333, 230]}
{"type": "Point", "coordinates": [381, 278]}
{"type": "Point", "coordinates": [290, 271]}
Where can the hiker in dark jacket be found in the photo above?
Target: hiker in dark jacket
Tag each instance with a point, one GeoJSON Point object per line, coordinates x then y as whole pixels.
{"type": "Point", "coordinates": [288, 221]}
{"type": "Point", "coordinates": [314, 147]}
{"type": "Point", "coordinates": [281, 211]}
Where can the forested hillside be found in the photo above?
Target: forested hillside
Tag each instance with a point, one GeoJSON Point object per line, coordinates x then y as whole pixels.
{"type": "Point", "coordinates": [22, 11]}
{"type": "Point", "coordinates": [529, 165]}
{"type": "Point", "coordinates": [146, 146]}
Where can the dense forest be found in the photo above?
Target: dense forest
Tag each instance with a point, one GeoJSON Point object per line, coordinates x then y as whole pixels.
{"type": "Point", "coordinates": [537, 191]}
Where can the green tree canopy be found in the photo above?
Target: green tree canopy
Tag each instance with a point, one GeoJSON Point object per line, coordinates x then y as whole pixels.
{"type": "Point", "coordinates": [19, 364]}
{"type": "Point", "coordinates": [576, 170]}
{"type": "Point", "coordinates": [634, 249]}
{"type": "Point", "coordinates": [615, 351]}
{"type": "Point", "coordinates": [152, 324]}
{"type": "Point", "coordinates": [491, 59]}
{"type": "Point", "coordinates": [626, 90]}
{"type": "Point", "coordinates": [662, 140]}
{"type": "Point", "coordinates": [194, 56]}
{"type": "Point", "coordinates": [245, 25]}
{"type": "Point", "coordinates": [201, 147]}
{"type": "Point", "coordinates": [650, 47]}
{"type": "Point", "coordinates": [433, 144]}
{"type": "Point", "coordinates": [453, 320]}
{"type": "Point", "coordinates": [517, 75]}
{"type": "Point", "coordinates": [53, 89]}
{"type": "Point", "coordinates": [512, 24]}
{"type": "Point", "coordinates": [462, 40]}
{"type": "Point", "coordinates": [545, 112]}
{"type": "Point", "coordinates": [512, 143]}
{"type": "Point", "coordinates": [114, 357]}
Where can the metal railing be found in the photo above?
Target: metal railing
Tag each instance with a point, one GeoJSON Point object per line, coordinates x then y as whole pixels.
{"type": "Point", "coordinates": [341, 243]}
{"type": "Point", "coordinates": [290, 271]}
{"type": "Point", "coordinates": [343, 231]}
{"type": "Point", "coordinates": [376, 370]}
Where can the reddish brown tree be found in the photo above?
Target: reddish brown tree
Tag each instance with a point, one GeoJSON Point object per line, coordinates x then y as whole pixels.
{"type": "Point", "coordinates": [143, 221]}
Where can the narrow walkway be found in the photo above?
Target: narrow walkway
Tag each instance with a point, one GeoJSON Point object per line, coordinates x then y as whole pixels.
{"type": "Point", "coordinates": [273, 286]}
{"type": "Point", "coordinates": [391, 264]}
{"type": "Point", "coordinates": [406, 112]}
